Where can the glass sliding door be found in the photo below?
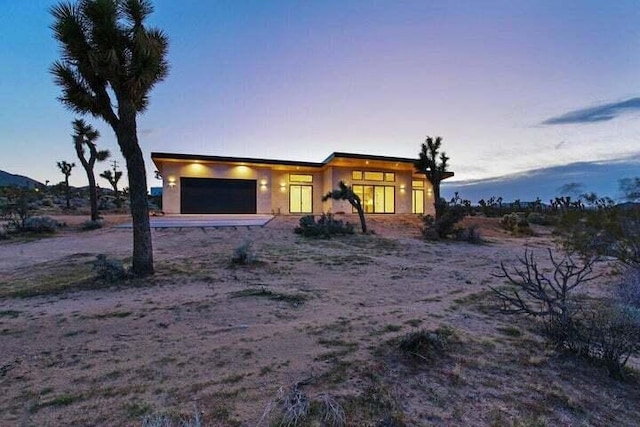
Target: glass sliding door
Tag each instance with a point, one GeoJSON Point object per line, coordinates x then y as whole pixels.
{"type": "Point", "coordinates": [300, 198]}
{"type": "Point", "coordinates": [376, 198]}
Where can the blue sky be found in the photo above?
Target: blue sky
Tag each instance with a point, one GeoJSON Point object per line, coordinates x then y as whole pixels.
{"type": "Point", "coordinates": [511, 86]}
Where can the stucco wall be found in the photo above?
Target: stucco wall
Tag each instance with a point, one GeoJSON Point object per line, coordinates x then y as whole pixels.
{"type": "Point", "coordinates": [273, 186]}
{"type": "Point", "coordinates": [172, 172]}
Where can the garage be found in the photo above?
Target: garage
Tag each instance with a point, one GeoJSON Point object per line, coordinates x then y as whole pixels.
{"type": "Point", "coordinates": [217, 196]}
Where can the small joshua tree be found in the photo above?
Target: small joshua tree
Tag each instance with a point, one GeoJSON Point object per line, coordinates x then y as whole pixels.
{"type": "Point", "coordinates": [85, 136]}
{"type": "Point", "coordinates": [433, 165]}
{"type": "Point", "coordinates": [66, 168]}
{"type": "Point", "coordinates": [345, 192]}
{"type": "Point", "coordinates": [113, 178]}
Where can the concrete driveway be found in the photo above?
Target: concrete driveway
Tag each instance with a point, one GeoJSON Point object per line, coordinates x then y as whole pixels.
{"type": "Point", "coordinates": [219, 220]}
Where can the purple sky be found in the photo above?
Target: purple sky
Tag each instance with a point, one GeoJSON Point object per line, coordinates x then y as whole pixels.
{"type": "Point", "coordinates": [510, 85]}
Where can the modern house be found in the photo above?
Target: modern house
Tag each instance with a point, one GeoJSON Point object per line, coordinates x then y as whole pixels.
{"type": "Point", "coordinates": [195, 184]}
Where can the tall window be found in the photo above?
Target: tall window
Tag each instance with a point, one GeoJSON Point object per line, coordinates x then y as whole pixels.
{"type": "Point", "coordinates": [300, 198]}
{"type": "Point", "coordinates": [376, 198]}
{"type": "Point", "coordinates": [417, 201]}
{"type": "Point", "coordinates": [417, 197]}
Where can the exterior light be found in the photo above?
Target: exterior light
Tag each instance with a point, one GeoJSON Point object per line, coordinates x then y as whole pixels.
{"type": "Point", "coordinates": [263, 182]}
{"type": "Point", "coordinates": [172, 181]}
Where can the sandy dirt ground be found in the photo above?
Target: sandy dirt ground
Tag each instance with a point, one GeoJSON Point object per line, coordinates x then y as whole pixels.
{"type": "Point", "coordinates": [208, 336]}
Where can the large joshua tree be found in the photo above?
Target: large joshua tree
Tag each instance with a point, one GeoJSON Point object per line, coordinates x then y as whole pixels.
{"type": "Point", "coordinates": [66, 168]}
{"type": "Point", "coordinates": [433, 165]}
{"type": "Point", "coordinates": [85, 135]}
{"type": "Point", "coordinates": [345, 192]}
{"type": "Point", "coordinates": [109, 63]}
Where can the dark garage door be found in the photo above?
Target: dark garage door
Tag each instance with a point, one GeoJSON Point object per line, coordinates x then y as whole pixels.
{"type": "Point", "coordinates": [217, 196]}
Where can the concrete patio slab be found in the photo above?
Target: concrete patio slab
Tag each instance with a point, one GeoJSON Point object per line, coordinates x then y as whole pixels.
{"type": "Point", "coordinates": [219, 220]}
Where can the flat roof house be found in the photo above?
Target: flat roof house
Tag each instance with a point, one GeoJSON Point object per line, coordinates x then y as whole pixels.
{"type": "Point", "coordinates": [195, 184]}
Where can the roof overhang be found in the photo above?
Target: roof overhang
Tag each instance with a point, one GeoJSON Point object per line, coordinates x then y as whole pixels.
{"type": "Point", "coordinates": [335, 159]}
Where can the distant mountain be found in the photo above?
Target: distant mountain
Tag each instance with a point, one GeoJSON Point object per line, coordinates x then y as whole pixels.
{"type": "Point", "coordinates": [7, 179]}
{"type": "Point", "coordinates": [601, 178]}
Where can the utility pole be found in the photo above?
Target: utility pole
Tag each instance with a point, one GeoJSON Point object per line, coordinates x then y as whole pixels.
{"type": "Point", "coordinates": [114, 164]}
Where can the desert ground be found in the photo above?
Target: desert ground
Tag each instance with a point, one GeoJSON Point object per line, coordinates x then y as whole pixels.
{"type": "Point", "coordinates": [226, 341]}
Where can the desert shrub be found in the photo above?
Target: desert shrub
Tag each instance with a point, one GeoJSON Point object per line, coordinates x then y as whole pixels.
{"type": "Point", "coordinates": [516, 223]}
{"type": "Point", "coordinates": [109, 269]}
{"type": "Point", "coordinates": [243, 254]}
{"type": "Point", "coordinates": [293, 407]}
{"type": "Point", "coordinates": [325, 226]}
{"type": "Point", "coordinates": [629, 288]}
{"type": "Point", "coordinates": [16, 206]}
{"type": "Point", "coordinates": [445, 226]}
{"type": "Point", "coordinates": [40, 224]}
{"type": "Point", "coordinates": [92, 225]}
{"type": "Point", "coordinates": [470, 234]}
{"type": "Point", "coordinates": [602, 230]}
{"type": "Point", "coordinates": [166, 421]}
{"type": "Point", "coordinates": [551, 296]}
{"type": "Point", "coordinates": [539, 219]}
{"type": "Point", "coordinates": [426, 345]}
{"type": "Point", "coordinates": [608, 333]}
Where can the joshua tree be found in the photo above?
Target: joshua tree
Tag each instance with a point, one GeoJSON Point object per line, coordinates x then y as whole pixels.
{"type": "Point", "coordinates": [113, 178]}
{"type": "Point", "coordinates": [85, 135]}
{"type": "Point", "coordinates": [345, 192]}
{"type": "Point", "coordinates": [109, 63]}
{"type": "Point", "coordinates": [433, 165]}
{"type": "Point", "coordinates": [65, 168]}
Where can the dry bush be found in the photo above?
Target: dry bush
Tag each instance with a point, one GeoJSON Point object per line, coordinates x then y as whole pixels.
{"type": "Point", "coordinates": [292, 407]}
{"type": "Point", "coordinates": [607, 333]}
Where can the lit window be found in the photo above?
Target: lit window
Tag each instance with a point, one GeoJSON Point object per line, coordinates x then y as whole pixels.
{"type": "Point", "coordinates": [373, 176]}
{"type": "Point", "coordinates": [356, 175]}
{"type": "Point", "coordinates": [376, 198]}
{"type": "Point", "coordinates": [417, 184]}
{"type": "Point", "coordinates": [300, 178]}
{"type": "Point", "coordinates": [390, 177]}
{"type": "Point", "coordinates": [417, 201]}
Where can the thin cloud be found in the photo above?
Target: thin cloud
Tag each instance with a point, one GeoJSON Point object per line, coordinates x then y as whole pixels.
{"type": "Point", "coordinates": [599, 113]}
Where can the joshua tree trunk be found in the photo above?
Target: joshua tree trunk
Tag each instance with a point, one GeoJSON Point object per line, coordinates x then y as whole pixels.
{"type": "Point", "coordinates": [363, 223]}
{"type": "Point", "coordinates": [93, 197]}
{"type": "Point", "coordinates": [128, 142]}
{"type": "Point", "coordinates": [437, 203]}
{"type": "Point", "coordinates": [67, 194]}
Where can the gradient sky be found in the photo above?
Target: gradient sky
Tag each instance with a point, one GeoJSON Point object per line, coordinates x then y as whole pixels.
{"type": "Point", "coordinates": [510, 85]}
